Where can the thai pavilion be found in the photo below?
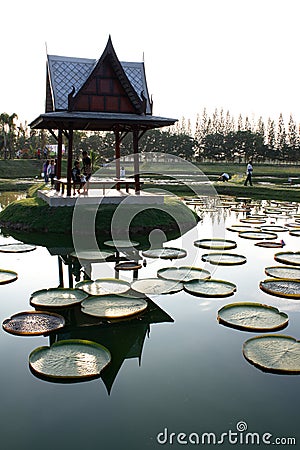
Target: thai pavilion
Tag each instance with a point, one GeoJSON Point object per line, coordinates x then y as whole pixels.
{"type": "Point", "coordinates": [97, 95]}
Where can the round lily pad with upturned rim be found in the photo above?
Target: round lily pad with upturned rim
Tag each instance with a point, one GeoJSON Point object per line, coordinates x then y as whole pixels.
{"type": "Point", "coordinates": [281, 287]}
{"type": "Point", "coordinates": [274, 228]}
{"type": "Point", "coordinates": [92, 255]}
{"type": "Point", "coordinates": [292, 225]}
{"type": "Point", "coordinates": [294, 232]}
{"type": "Point", "coordinates": [274, 353]}
{"type": "Point", "coordinates": [121, 243]}
{"type": "Point", "coordinates": [269, 244]}
{"type": "Point", "coordinates": [257, 235]}
{"type": "Point", "coordinates": [224, 259]}
{"type": "Point", "coordinates": [165, 253]}
{"type": "Point", "coordinates": [70, 359]}
{"type": "Point", "coordinates": [18, 247]}
{"type": "Point", "coordinates": [128, 265]}
{"type": "Point", "coordinates": [252, 317]}
{"type": "Point", "coordinates": [210, 288]}
{"type": "Point", "coordinates": [113, 306]}
{"type": "Point", "coordinates": [253, 220]}
{"type": "Point", "coordinates": [156, 286]}
{"type": "Point", "coordinates": [290, 272]}
{"type": "Point", "coordinates": [239, 228]}
{"type": "Point", "coordinates": [291, 258]}
{"type": "Point", "coordinates": [57, 297]}
{"type": "Point", "coordinates": [7, 276]}
{"type": "Point", "coordinates": [215, 244]}
{"type": "Point", "coordinates": [33, 323]}
{"type": "Point", "coordinates": [104, 286]}
{"type": "Point", "coordinates": [182, 274]}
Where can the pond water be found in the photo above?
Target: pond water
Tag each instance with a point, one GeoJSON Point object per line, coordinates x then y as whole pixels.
{"type": "Point", "coordinates": [8, 197]}
{"type": "Point", "coordinates": [176, 370]}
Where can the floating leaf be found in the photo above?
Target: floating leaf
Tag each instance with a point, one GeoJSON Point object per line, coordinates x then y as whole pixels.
{"type": "Point", "coordinates": [292, 258]}
{"type": "Point", "coordinates": [253, 220]}
{"type": "Point", "coordinates": [92, 255]}
{"type": "Point", "coordinates": [224, 259]}
{"type": "Point", "coordinates": [33, 323]}
{"type": "Point", "coordinates": [210, 288]}
{"type": "Point", "coordinates": [252, 317]}
{"type": "Point", "coordinates": [104, 286]}
{"type": "Point", "coordinates": [273, 353]}
{"type": "Point", "coordinates": [294, 232]}
{"type": "Point", "coordinates": [121, 243]}
{"type": "Point", "coordinates": [293, 225]}
{"type": "Point", "coordinates": [257, 235]}
{"type": "Point", "coordinates": [281, 287]}
{"type": "Point", "coordinates": [283, 272]}
{"type": "Point", "coordinates": [113, 306]}
{"type": "Point", "coordinates": [7, 276]}
{"type": "Point", "coordinates": [274, 228]}
{"type": "Point", "coordinates": [239, 228]}
{"type": "Point", "coordinates": [184, 273]}
{"type": "Point", "coordinates": [70, 359]}
{"type": "Point", "coordinates": [57, 297]}
{"type": "Point", "coordinates": [156, 286]}
{"type": "Point", "coordinates": [215, 244]}
{"type": "Point", "coordinates": [18, 247]}
{"type": "Point", "coordinates": [269, 244]}
{"type": "Point", "coordinates": [165, 253]}
{"type": "Point", "coordinates": [128, 265]}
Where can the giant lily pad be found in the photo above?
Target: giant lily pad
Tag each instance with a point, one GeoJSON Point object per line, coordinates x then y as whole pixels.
{"type": "Point", "coordinates": [184, 273]}
{"type": "Point", "coordinates": [7, 276]}
{"type": "Point", "coordinates": [293, 225]}
{"type": "Point", "coordinates": [273, 353]}
{"type": "Point", "coordinates": [257, 235]}
{"type": "Point", "coordinates": [92, 255]}
{"type": "Point", "coordinates": [156, 286]}
{"type": "Point", "coordinates": [253, 220]}
{"type": "Point", "coordinates": [165, 253]}
{"type": "Point", "coordinates": [294, 232]}
{"type": "Point", "coordinates": [239, 228]}
{"type": "Point", "coordinates": [119, 243]}
{"type": "Point", "coordinates": [224, 259]}
{"type": "Point", "coordinates": [104, 286]}
{"type": "Point", "coordinates": [215, 244]}
{"type": "Point", "coordinates": [274, 228]}
{"type": "Point", "coordinates": [17, 247]}
{"type": "Point", "coordinates": [210, 288]}
{"type": "Point", "coordinates": [281, 287]}
{"type": "Point", "coordinates": [268, 244]}
{"type": "Point", "coordinates": [252, 317]}
{"type": "Point", "coordinates": [70, 359]}
{"type": "Point", "coordinates": [57, 297]}
{"type": "Point", "coordinates": [113, 306]}
{"type": "Point", "coordinates": [292, 258]}
{"type": "Point", "coordinates": [33, 323]}
{"type": "Point", "coordinates": [290, 272]}
{"type": "Point", "coordinates": [128, 265]}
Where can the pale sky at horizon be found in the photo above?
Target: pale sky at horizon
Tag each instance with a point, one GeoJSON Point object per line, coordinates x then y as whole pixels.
{"type": "Point", "coordinates": [239, 55]}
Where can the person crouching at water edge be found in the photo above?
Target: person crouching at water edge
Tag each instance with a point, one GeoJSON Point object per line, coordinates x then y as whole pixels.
{"type": "Point", "coordinates": [224, 177]}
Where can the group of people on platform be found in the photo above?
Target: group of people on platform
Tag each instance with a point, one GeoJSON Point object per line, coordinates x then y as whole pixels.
{"type": "Point", "coordinates": [81, 173]}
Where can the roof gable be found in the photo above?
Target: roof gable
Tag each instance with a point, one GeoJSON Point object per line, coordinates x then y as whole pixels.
{"type": "Point", "coordinates": [106, 85]}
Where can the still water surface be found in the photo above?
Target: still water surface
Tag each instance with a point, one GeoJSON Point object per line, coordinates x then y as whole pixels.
{"type": "Point", "coordinates": [177, 370]}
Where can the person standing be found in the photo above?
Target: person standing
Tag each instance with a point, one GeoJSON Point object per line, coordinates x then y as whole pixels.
{"type": "Point", "coordinates": [45, 170]}
{"type": "Point", "coordinates": [52, 171]}
{"type": "Point", "coordinates": [249, 174]}
{"type": "Point", "coordinates": [87, 170]}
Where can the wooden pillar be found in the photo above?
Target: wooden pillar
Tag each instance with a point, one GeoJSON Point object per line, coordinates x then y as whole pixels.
{"type": "Point", "coordinates": [136, 164]}
{"type": "Point", "coordinates": [117, 154]}
{"type": "Point", "coordinates": [69, 166]}
{"type": "Point", "coordinates": [59, 154]}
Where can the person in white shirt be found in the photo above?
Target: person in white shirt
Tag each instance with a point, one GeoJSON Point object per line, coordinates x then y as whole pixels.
{"type": "Point", "coordinates": [249, 174]}
{"type": "Point", "coordinates": [224, 177]}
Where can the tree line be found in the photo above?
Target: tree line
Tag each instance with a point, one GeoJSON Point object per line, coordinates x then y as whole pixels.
{"type": "Point", "coordinates": [218, 136]}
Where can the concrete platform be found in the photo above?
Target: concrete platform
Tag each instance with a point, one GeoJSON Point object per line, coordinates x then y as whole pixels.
{"type": "Point", "coordinates": [95, 197]}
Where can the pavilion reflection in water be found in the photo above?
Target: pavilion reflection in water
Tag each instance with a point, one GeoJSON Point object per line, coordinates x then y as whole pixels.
{"type": "Point", "coordinates": [123, 338]}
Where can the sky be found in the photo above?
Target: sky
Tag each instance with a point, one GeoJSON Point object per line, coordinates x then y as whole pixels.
{"type": "Point", "coordinates": [241, 56]}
